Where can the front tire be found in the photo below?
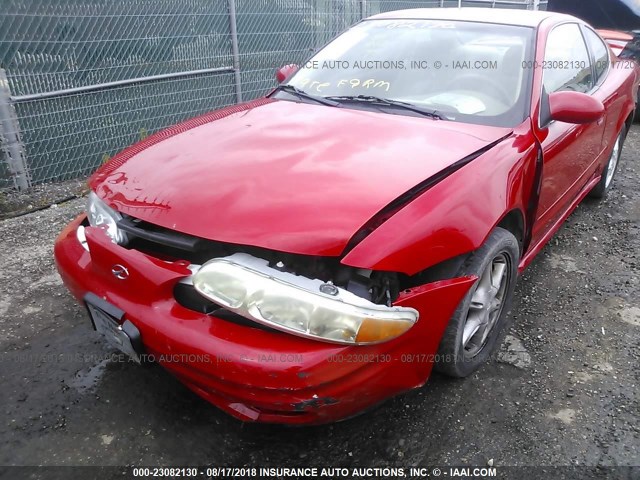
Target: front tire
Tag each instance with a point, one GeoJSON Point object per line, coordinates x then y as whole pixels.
{"type": "Point", "coordinates": [475, 327]}
{"type": "Point", "coordinates": [610, 169]}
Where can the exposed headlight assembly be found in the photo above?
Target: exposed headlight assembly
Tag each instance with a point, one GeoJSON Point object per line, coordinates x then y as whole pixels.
{"type": "Point", "coordinates": [247, 286]}
{"type": "Point", "coordinates": [101, 215]}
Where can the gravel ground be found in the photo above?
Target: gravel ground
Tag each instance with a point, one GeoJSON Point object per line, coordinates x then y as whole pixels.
{"type": "Point", "coordinates": [13, 203]}
{"type": "Point", "coordinates": [562, 391]}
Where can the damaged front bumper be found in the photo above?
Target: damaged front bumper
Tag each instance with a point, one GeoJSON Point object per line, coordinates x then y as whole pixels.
{"type": "Point", "coordinates": [255, 374]}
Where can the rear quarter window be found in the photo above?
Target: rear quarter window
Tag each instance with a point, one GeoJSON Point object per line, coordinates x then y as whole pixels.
{"type": "Point", "coordinates": [600, 53]}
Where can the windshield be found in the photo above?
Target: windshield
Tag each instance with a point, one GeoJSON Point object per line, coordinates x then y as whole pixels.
{"type": "Point", "coordinates": [464, 71]}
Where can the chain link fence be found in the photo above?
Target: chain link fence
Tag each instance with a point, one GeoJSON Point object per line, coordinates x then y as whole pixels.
{"type": "Point", "coordinates": [4, 170]}
{"type": "Point", "coordinates": [85, 78]}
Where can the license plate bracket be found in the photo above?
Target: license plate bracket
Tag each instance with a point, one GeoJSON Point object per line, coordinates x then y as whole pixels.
{"type": "Point", "coordinates": [107, 319]}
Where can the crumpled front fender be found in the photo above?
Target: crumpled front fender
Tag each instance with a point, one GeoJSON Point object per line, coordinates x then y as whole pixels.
{"type": "Point", "coordinates": [436, 303]}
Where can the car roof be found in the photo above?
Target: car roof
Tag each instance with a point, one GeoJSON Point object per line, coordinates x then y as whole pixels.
{"type": "Point", "coordinates": [524, 18]}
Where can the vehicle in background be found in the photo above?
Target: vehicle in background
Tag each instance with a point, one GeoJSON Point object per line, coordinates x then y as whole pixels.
{"type": "Point", "coordinates": [617, 21]}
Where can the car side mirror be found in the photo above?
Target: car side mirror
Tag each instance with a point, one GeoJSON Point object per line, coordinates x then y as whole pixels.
{"type": "Point", "coordinates": [575, 107]}
{"type": "Point", "coordinates": [285, 72]}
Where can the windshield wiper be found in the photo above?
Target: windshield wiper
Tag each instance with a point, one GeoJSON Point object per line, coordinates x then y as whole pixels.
{"type": "Point", "coordinates": [304, 95]}
{"type": "Point", "coordinates": [388, 102]}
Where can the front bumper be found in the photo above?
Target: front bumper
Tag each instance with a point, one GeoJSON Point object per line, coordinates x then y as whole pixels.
{"type": "Point", "coordinates": [253, 374]}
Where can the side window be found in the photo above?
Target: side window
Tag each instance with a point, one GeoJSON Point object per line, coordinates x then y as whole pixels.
{"type": "Point", "coordinates": [567, 64]}
{"type": "Point", "coordinates": [600, 53]}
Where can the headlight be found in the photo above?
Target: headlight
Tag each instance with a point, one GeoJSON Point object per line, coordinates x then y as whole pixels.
{"type": "Point", "coordinates": [249, 287]}
{"type": "Point", "coordinates": [100, 215]}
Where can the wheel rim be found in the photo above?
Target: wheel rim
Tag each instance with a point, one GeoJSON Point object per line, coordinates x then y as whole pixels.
{"type": "Point", "coordinates": [486, 305]}
{"type": "Point", "coordinates": [613, 163]}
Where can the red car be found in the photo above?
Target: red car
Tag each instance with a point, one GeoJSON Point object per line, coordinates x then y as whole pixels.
{"type": "Point", "coordinates": [302, 257]}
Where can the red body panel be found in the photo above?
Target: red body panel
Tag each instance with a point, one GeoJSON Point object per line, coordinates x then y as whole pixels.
{"type": "Point", "coordinates": [458, 225]}
{"type": "Point", "coordinates": [574, 155]}
{"type": "Point", "coordinates": [616, 40]}
{"type": "Point", "coordinates": [256, 375]}
{"type": "Point", "coordinates": [229, 179]}
{"type": "Point", "coordinates": [305, 178]}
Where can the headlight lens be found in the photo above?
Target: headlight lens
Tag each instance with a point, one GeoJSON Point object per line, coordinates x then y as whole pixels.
{"type": "Point", "coordinates": [101, 215]}
{"type": "Point", "coordinates": [294, 304]}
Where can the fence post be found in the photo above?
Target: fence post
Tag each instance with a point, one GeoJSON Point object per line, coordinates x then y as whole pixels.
{"type": "Point", "coordinates": [536, 4]}
{"type": "Point", "coordinates": [233, 28]}
{"type": "Point", "coordinates": [363, 9]}
{"type": "Point", "coordinates": [10, 137]}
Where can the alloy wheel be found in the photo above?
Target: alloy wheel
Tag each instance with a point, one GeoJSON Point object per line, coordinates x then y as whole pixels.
{"type": "Point", "coordinates": [486, 305]}
{"type": "Point", "coordinates": [613, 162]}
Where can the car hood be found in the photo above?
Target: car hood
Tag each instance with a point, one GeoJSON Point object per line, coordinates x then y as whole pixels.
{"type": "Point", "coordinates": [294, 177]}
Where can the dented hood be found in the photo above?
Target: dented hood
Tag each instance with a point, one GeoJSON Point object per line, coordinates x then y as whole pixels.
{"type": "Point", "coordinates": [287, 176]}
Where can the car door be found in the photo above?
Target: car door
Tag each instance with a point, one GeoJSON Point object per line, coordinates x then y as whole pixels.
{"type": "Point", "coordinates": [568, 150]}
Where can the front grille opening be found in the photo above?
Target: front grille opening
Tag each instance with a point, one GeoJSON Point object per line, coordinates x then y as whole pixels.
{"type": "Point", "coordinates": [162, 242]}
{"type": "Point", "coordinates": [171, 245]}
{"type": "Point", "coordinates": [378, 287]}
